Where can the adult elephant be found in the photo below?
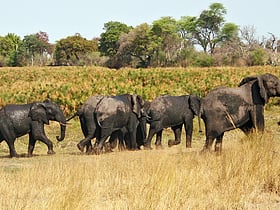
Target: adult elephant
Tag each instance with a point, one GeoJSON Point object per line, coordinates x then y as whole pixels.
{"type": "Point", "coordinates": [172, 111]}
{"type": "Point", "coordinates": [114, 113]}
{"type": "Point", "coordinates": [224, 108]}
{"type": "Point", "coordinates": [91, 129]}
{"type": "Point", "coordinates": [18, 120]}
{"type": "Point", "coordinates": [88, 123]}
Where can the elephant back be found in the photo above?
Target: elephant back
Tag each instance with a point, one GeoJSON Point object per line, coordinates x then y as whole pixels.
{"type": "Point", "coordinates": [111, 111]}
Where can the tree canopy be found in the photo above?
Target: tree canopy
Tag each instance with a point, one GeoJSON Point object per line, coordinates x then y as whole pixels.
{"type": "Point", "coordinates": [203, 40]}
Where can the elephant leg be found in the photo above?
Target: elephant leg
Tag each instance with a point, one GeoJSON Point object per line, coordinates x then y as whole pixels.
{"type": "Point", "coordinates": [12, 149]}
{"type": "Point", "coordinates": [247, 128]}
{"type": "Point", "coordinates": [88, 128]}
{"type": "Point", "coordinates": [124, 141]}
{"type": "Point", "coordinates": [113, 140]}
{"type": "Point", "coordinates": [98, 146]}
{"type": "Point", "coordinates": [208, 143]}
{"type": "Point", "coordinates": [31, 145]}
{"type": "Point", "coordinates": [38, 133]}
{"type": "Point", "coordinates": [158, 140]}
{"type": "Point", "coordinates": [147, 144]}
{"type": "Point", "coordinates": [177, 130]}
{"type": "Point", "coordinates": [259, 118]}
{"type": "Point", "coordinates": [189, 131]}
{"type": "Point", "coordinates": [132, 137]}
{"type": "Point", "coordinates": [10, 139]}
{"type": "Point", "coordinates": [218, 144]}
{"type": "Point", "coordinates": [89, 147]}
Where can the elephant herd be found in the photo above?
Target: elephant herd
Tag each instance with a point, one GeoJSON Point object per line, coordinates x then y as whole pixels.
{"type": "Point", "coordinates": [123, 118]}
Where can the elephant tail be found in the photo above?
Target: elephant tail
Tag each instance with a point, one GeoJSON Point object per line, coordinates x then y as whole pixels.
{"type": "Point", "coordinates": [199, 124]}
{"type": "Point", "coordinates": [200, 113]}
{"type": "Point", "coordinates": [75, 115]}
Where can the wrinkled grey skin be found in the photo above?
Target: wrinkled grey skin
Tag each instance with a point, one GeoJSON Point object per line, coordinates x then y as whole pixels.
{"type": "Point", "coordinates": [172, 111]}
{"type": "Point", "coordinates": [91, 129]}
{"type": "Point", "coordinates": [88, 123]}
{"type": "Point", "coordinates": [18, 120]}
{"type": "Point", "coordinates": [224, 109]}
{"type": "Point", "coordinates": [114, 113]}
{"type": "Point", "coordinates": [121, 137]}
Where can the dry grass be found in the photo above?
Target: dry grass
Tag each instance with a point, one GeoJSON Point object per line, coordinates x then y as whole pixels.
{"type": "Point", "coordinates": [245, 176]}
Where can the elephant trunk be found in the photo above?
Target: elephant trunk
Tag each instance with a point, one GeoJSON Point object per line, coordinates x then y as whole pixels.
{"type": "Point", "coordinates": [62, 121]}
{"type": "Point", "coordinates": [62, 131]}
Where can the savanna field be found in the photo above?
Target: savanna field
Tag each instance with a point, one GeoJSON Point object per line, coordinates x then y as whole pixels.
{"type": "Point", "coordinates": [245, 176]}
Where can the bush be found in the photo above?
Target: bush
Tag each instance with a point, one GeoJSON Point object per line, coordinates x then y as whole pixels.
{"type": "Point", "coordinates": [258, 57]}
{"type": "Point", "coordinates": [203, 60]}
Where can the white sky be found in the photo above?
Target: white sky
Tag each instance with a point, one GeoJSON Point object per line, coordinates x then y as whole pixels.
{"type": "Point", "coordinates": [62, 18]}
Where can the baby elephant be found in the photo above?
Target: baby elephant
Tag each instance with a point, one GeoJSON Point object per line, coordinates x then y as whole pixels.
{"type": "Point", "coordinates": [172, 111]}
{"type": "Point", "coordinates": [18, 120]}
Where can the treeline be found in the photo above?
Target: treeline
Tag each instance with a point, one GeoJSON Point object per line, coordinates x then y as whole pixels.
{"type": "Point", "coordinates": [205, 40]}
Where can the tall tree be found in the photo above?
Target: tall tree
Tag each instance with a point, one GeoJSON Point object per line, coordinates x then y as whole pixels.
{"type": "Point", "coordinates": [165, 34]}
{"type": "Point", "coordinates": [37, 48]}
{"type": "Point", "coordinates": [108, 43]}
{"type": "Point", "coordinates": [73, 50]}
{"type": "Point", "coordinates": [138, 44]}
{"type": "Point", "coordinates": [9, 48]}
{"type": "Point", "coordinates": [208, 27]}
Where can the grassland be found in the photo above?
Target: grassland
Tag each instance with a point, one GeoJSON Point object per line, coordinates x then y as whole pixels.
{"type": "Point", "coordinates": [245, 176]}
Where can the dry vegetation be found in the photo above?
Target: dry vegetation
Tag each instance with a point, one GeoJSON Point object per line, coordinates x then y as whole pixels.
{"type": "Point", "coordinates": [245, 176]}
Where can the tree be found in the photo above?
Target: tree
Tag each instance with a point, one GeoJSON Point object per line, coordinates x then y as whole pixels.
{"type": "Point", "coordinates": [207, 32]}
{"type": "Point", "coordinates": [108, 43]}
{"type": "Point", "coordinates": [10, 49]}
{"type": "Point", "coordinates": [74, 50]}
{"type": "Point", "coordinates": [137, 44]}
{"type": "Point", "coordinates": [165, 35]}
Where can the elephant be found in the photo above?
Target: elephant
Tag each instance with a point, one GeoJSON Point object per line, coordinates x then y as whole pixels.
{"type": "Point", "coordinates": [114, 113]}
{"type": "Point", "coordinates": [225, 108]}
{"type": "Point", "coordinates": [87, 121]}
{"type": "Point", "coordinates": [172, 111]}
{"type": "Point", "coordinates": [19, 119]}
{"type": "Point", "coordinates": [121, 137]}
{"type": "Point", "coordinates": [91, 129]}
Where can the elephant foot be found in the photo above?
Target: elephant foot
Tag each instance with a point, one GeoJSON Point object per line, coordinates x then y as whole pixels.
{"type": "Point", "coordinates": [218, 148]}
{"type": "Point", "coordinates": [80, 147]}
{"type": "Point", "coordinates": [172, 143]}
{"type": "Point", "coordinates": [121, 148]}
{"type": "Point", "coordinates": [188, 145]}
{"type": "Point", "coordinates": [108, 148]}
{"type": "Point", "coordinates": [88, 149]}
{"type": "Point", "coordinates": [97, 150]}
{"type": "Point", "coordinates": [89, 152]}
{"type": "Point", "coordinates": [50, 152]}
{"type": "Point", "coordinates": [148, 148]}
{"type": "Point", "coordinates": [159, 146]}
{"type": "Point", "coordinates": [204, 150]}
{"type": "Point", "coordinates": [15, 155]}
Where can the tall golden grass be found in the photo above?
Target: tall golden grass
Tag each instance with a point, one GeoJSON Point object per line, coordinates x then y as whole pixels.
{"type": "Point", "coordinates": [245, 176]}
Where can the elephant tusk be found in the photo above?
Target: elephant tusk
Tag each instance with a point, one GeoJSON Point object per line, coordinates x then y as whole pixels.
{"type": "Point", "coordinates": [64, 124]}
{"type": "Point", "coordinates": [230, 119]}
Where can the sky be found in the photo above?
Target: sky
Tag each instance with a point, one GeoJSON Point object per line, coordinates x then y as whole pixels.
{"type": "Point", "coordinates": [62, 18]}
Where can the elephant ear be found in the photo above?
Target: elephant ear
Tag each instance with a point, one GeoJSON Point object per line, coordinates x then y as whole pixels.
{"type": "Point", "coordinates": [38, 113]}
{"type": "Point", "coordinates": [194, 102]}
{"type": "Point", "coordinates": [247, 79]}
{"type": "Point", "coordinates": [260, 80]}
{"type": "Point", "coordinates": [137, 104]}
